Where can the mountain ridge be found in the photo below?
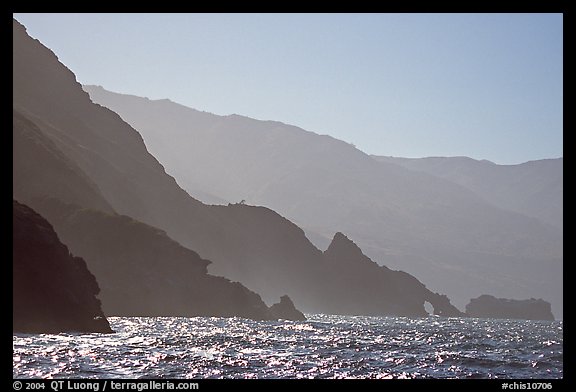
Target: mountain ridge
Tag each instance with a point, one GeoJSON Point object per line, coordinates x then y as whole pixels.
{"type": "Point", "coordinates": [243, 242]}
{"type": "Point", "coordinates": [428, 226]}
{"type": "Point", "coordinates": [533, 188]}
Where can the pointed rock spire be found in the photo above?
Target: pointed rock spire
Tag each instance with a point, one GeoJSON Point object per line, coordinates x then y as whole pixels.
{"type": "Point", "coordinates": [342, 246]}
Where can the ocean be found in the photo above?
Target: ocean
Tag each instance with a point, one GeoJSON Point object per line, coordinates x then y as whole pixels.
{"type": "Point", "coordinates": [324, 346]}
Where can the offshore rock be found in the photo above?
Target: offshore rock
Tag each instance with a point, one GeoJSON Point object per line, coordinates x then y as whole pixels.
{"type": "Point", "coordinates": [488, 306]}
{"type": "Point", "coordinates": [286, 310]}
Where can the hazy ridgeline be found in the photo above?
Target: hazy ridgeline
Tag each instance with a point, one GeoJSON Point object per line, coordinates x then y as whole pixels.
{"type": "Point", "coordinates": [145, 237]}
{"type": "Point", "coordinates": [463, 227]}
{"type": "Point", "coordinates": [180, 228]}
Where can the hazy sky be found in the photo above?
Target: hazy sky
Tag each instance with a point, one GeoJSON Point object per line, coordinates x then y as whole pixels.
{"type": "Point", "coordinates": [488, 86]}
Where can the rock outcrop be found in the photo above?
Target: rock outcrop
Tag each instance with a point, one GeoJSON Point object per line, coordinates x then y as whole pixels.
{"type": "Point", "coordinates": [488, 306]}
{"type": "Point", "coordinates": [53, 291]}
{"type": "Point", "coordinates": [286, 310]}
{"type": "Point", "coordinates": [360, 286]}
{"type": "Point", "coordinates": [442, 305]}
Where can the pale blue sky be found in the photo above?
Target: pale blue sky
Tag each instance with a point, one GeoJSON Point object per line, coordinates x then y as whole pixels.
{"type": "Point", "coordinates": [488, 86]}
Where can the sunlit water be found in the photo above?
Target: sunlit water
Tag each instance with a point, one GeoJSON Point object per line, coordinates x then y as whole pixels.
{"type": "Point", "coordinates": [321, 347]}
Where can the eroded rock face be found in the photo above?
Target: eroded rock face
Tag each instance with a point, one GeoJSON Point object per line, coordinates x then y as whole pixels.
{"type": "Point", "coordinates": [488, 306]}
{"type": "Point", "coordinates": [286, 310]}
{"type": "Point", "coordinates": [53, 291]}
{"type": "Point", "coordinates": [442, 306]}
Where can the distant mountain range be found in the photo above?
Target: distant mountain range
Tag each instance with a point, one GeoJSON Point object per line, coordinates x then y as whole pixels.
{"type": "Point", "coordinates": [533, 188]}
{"type": "Point", "coordinates": [148, 242]}
{"type": "Point", "coordinates": [464, 231]}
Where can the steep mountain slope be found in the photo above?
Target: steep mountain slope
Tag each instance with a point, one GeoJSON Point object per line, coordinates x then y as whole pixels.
{"type": "Point", "coordinates": [254, 245]}
{"type": "Point", "coordinates": [145, 273]}
{"type": "Point", "coordinates": [52, 290]}
{"type": "Point", "coordinates": [436, 229]}
{"type": "Point", "coordinates": [40, 169]}
{"type": "Point", "coordinates": [142, 272]}
{"type": "Point", "coordinates": [533, 188]}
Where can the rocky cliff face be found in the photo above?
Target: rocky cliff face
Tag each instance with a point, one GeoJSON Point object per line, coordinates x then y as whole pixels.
{"type": "Point", "coordinates": [53, 291]}
{"type": "Point", "coordinates": [435, 228]}
{"type": "Point", "coordinates": [379, 290]}
{"type": "Point", "coordinates": [487, 306]}
{"type": "Point", "coordinates": [143, 272]}
{"type": "Point", "coordinates": [252, 245]}
{"type": "Point", "coordinates": [68, 164]}
{"type": "Point", "coordinates": [40, 169]}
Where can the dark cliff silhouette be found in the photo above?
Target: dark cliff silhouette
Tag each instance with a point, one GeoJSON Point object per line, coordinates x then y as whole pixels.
{"type": "Point", "coordinates": [488, 306]}
{"type": "Point", "coordinates": [360, 286]}
{"type": "Point", "coordinates": [435, 228]}
{"type": "Point", "coordinates": [53, 291]}
{"type": "Point", "coordinates": [253, 245]}
{"type": "Point", "coordinates": [143, 272]}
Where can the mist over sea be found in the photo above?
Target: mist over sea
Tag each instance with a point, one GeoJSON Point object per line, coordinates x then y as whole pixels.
{"type": "Point", "coordinates": [324, 346]}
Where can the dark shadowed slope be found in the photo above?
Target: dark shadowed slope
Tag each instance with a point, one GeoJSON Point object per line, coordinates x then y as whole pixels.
{"type": "Point", "coordinates": [105, 148]}
{"type": "Point", "coordinates": [52, 291]}
{"type": "Point", "coordinates": [145, 273]}
{"type": "Point", "coordinates": [40, 169]}
{"type": "Point", "coordinates": [141, 271]}
{"type": "Point", "coordinates": [436, 229]}
{"type": "Point", "coordinates": [254, 245]}
{"type": "Point", "coordinates": [533, 188]}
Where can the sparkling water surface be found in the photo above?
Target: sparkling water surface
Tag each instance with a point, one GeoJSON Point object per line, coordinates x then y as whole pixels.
{"type": "Point", "coordinates": [321, 347]}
